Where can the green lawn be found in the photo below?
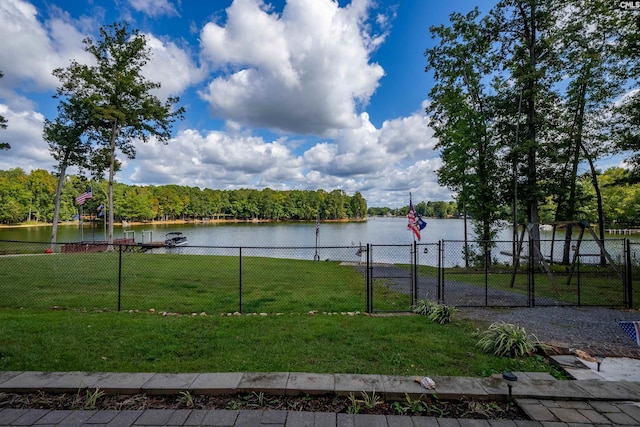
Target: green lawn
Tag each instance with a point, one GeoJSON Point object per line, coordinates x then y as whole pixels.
{"type": "Point", "coordinates": [59, 313]}
{"type": "Point", "coordinates": [597, 286]}
{"type": "Point", "coordinates": [184, 284]}
{"type": "Point", "coordinates": [144, 342]}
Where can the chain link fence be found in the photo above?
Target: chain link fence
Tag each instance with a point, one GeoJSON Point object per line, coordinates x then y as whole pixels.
{"type": "Point", "coordinates": [372, 278]}
{"type": "Point", "coordinates": [185, 279]}
{"type": "Point", "coordinates": [633, 273]}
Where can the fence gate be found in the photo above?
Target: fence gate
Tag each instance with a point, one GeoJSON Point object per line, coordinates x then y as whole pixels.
{"type": "Point", "coordinates": [479, 274]}
{"type": "Point", "coordinates": [399, 275]}
{"type": "Point", "coordinates": [391, 272]}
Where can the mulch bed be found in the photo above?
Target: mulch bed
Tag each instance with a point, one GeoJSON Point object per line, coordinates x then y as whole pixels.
{"type": "Point", "coordinates": [427, 406]}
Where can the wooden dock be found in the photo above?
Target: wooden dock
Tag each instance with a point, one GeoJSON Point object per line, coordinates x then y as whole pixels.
{"type": "Point", "coordinates": [145, 246]}
{"type": "Point", "coordinates": [100, 246]}
{"type": "Point", "coordinates": [623, 231]}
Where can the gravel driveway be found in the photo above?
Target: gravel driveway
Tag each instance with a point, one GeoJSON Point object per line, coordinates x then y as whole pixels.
{"type": "Point", "coordinates": [592, 329]}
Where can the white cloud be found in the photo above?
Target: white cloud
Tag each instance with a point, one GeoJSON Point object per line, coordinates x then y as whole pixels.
{"type": "Point", "coordinates": [171, 66]}
{"type": "Point", "coordinates": [380, 163]}
{"type": "Point", "coordinates": [306, 70]}
{"type": "Point", "coordinates": [216, 160]}
{"type": "Point", "coordinates": [154, 7]}
{"type": "Point", "coordinates": [30, 50]}
{"type": "Point", "coordinates": [24, 134]}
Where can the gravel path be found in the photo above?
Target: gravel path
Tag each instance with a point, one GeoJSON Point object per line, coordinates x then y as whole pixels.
{"type": "Point", "coordinates": [592, 329]}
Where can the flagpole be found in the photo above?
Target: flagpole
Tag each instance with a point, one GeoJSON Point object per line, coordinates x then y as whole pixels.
{"type": "Point", "coordinates": [316, 257]}
{"type": "Point", "coordinates": [81, 226]}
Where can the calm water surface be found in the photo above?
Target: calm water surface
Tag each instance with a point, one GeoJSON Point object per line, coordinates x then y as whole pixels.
{"type": "Point", "coordinates": [375, 230]}
{"type": "Point", "coordinates": [388, 231]}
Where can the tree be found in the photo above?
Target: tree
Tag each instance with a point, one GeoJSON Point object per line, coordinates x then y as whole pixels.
{"type": "Point", "coordinates": [14, 196]}
{"type": "Point", "coordinates": [625, 128]}
{"type": "Point", "coordinates": [525, 32]}
{"type": "Point", "coordinates": [461, 111]}
{"type": "Point", "coordinates": [3, 125]}
{"type": "Point", "coordinates": [66, 145]}
{"type": "Point", "coordinates": [118, 98]}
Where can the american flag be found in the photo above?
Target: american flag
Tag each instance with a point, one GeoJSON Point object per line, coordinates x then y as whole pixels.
{"type": "Point", "coordinates": [318, 226]}
{"type": "Point", "coordinates": [84, 196]}
{"type": "Point", "coordinates": [415, 222]}
{"type": "Point", "coordinates": [632, 328]}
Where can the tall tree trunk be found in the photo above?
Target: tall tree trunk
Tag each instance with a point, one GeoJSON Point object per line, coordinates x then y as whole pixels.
{"type": "Point", "coordinates": [56, 209]}
{"type": "Point", "coordinates": [577, 137]}
{"type": "Point", "coordinates": [533, 214]}
{"type": "Point", "coordinates": [594, 180]}
{"type": "Point", "coordinates": [112, 167]}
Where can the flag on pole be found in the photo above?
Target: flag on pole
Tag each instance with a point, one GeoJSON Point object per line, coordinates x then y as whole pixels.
{"type": "Point", "coordinates": [632, 328]}
{"type": "Point", "coordinates": [84, 196]}
{"type": "Point", "coordinates": [415, 222]}
{"type": "Point", "coordinates": [318, 225]}
{"type": "Point", "coordinates": [100, 210]}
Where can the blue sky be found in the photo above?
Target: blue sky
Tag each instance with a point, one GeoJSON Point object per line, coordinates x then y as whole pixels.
{"type": "Point", "coordinates": [296, 94]}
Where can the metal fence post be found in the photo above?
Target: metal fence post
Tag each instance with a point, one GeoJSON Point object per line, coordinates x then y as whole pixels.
{"type": "Point", "coordinates": [414, 273]}
{"type": "Point", "coordinates": [440, 272]}
{"type": "Point", "coordinates": [240, 279]}
{"type": "Point", "coordinates": [119, 276]}
{"type": "Point", "coordinates": [531, 275]}
{"type": "Point", "coordinates": [366, 283]}
{"type": "Point", "coordinates": [628, 275]}
{"type": "Point", "coordinates": [487, 259]}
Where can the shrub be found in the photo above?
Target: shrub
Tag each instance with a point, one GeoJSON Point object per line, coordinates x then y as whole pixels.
{"type": "Point", "coordinates": [441, 313]}
{"type": "Point", "coordinates": [423, 307]}
{"type": "Point", "coordinates": [436, 312]}
{"type": "Point", "coordinates": [506, 339]}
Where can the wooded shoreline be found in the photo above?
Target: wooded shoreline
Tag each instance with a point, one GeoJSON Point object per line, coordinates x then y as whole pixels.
{"type": "Point", "coordinates": [184, 221]}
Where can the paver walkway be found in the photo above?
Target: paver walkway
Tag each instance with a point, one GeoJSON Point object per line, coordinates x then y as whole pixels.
{"type": "Point", "coordinates": [547, 401]}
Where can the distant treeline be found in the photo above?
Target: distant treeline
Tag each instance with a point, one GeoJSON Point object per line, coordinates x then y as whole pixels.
{"type": "Point", "coordinates": [30, 198]}
{"type": "Point", "coordinates": [427, 209]}
{"type": "Point", "coordinates": [620, 200]}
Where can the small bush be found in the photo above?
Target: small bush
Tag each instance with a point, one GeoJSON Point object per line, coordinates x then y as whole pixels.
{"type": "Point", "coordinates": [423, 307]}
{"type": "Point", "coordinates": [441, 313]}
{"type": "Point", "coordinates": [436, 312]}
{"type": "Point", "coordinates": [506, 339]}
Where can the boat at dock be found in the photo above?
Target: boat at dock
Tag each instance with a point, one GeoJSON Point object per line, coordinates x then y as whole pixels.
{"type": "Point", "coordinates": [175, 238]}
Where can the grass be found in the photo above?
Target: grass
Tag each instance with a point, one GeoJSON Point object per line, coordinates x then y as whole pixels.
{"type": "Point", "coordinates": [597, 286]}
{"type": "Point", "coordinates": [58, 313]}
{"type": "Point", "coordinates": [185, 284]}
{"type": "Point", "coordinates": [143, 342]}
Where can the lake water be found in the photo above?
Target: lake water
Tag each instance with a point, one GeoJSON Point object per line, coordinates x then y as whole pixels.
{"type": "Point", "coordinates": [227, 237]}
{"type": "Point", "coordinates": [386, 231]}
{"type": "Point", "coordinates": [375, 230]}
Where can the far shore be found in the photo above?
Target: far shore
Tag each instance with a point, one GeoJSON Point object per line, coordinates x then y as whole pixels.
{"type": "Point", "coordinates": [176, 221]}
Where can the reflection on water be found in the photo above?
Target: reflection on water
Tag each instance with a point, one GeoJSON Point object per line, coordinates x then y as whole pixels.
{"type": "Point", "coordinates": [388, 231]}
{"type": "Point", "coordinates": [228, 237]}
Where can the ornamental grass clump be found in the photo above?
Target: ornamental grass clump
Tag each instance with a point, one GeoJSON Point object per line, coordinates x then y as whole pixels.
{"type": "Point", "coordinates": [506, 339]}
{"type": "Point", "coordinates": [423, 307]}
{"type": "Point", "coordinates": [439, 313]}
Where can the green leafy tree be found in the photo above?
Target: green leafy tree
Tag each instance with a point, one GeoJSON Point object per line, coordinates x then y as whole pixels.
{"type": "Point", "coordinates": [625, 128]}
{"type": "Point", "coordinates": [461, 111]}
{"type": "Point", "coordinates": [525, 34]}
{"type": "Point", "coordinates": [66, 146]}
{"type": "Point", "coordinates": [118, 98]}
{"type": "Point", "coordinates": [358, 205]}
{"type": "Point", "coordinates": [41, 186]}
{"type": "Point", "coordinates": [14, 196]}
